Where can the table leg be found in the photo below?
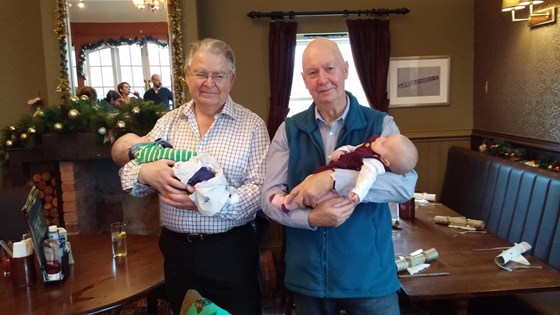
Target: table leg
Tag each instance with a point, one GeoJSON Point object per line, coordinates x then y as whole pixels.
{"type": "Point", "coordinates": [152, 297]}
{"type": "Point", "coordinates": [461, 306]}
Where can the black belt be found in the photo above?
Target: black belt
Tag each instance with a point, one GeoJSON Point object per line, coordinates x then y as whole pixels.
{"type": "Point", "coordinates": [199, 237]}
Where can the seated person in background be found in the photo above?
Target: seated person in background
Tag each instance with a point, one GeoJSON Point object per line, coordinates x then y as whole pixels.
{"type": "Point", "coordinates": [158, 93]}
{"type": "Point", "coordinates": [124, 90]}
{"type": "Point", "coordinates": [200, 171]}
{"type": "Point", "coordinates": [113, 99]}
{"type": "Point", "coordinates": [394, 153]}
{"type": "Point", "coordinates": [90, 92]}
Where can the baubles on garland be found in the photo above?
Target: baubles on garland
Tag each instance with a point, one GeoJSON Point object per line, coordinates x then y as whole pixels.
{"type": "Point", "coordinates": [58, 127]}
{"type": "Point", "coordinates": [121, 124]}
{"type": "Point", "coordinates": [73, 113]}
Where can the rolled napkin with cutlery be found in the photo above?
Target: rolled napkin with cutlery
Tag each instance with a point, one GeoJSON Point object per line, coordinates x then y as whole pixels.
{"type": "Point", "coordinates": [513, 254]}
{"type": "Point", "coordinates": [425, 196]}
{"type": "Point", "coordinates": [459, 222]}
{"type": "Point", "coordinates": [417, 259]}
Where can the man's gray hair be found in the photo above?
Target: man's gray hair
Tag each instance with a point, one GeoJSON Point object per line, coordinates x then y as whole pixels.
{"type": "Point", "coordinates": [213, 46]}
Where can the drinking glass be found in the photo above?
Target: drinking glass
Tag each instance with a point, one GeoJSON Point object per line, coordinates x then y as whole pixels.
{"type": "Point", "coordinates": [118, 239]}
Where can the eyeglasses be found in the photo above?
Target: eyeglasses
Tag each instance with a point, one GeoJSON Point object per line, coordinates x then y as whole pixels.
{"type": "Point", "coordinates": [216, 77]}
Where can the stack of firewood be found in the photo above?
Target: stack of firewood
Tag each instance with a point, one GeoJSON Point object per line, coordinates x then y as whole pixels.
{"type": "Point", "coordinates": [46, 184]}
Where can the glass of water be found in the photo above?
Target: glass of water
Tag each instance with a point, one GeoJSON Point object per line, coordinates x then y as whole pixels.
{"type": "Point", "coordinates": [118, 239]}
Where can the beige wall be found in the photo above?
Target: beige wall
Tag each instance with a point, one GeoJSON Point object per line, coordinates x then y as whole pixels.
{"type": "Point", "coordinates": [23, 73]}
{"type": "Point", "coordinates": [30, 61]}
{"type": "Point", "coordinates": [433, 27]}
{"type": "Point", "coordinates": [521, 66]}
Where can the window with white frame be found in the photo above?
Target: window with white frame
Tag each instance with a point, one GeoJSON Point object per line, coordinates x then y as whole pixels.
{"type": "Point", "coordinates": [300, 99]}
{"type": "Point", "coordinates": [106, 67]}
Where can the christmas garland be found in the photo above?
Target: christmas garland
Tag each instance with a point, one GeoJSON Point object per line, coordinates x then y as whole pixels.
{"type": "Point", "coordinates": [141, 41]}
{"type": "Point", "coordinates": [80, 115]}
{"type": "Point", "coordinates": [506, 150]}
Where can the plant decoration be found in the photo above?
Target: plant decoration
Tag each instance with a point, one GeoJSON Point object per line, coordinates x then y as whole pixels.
{"type": "Point", "coordinates": [80, 115]}
{"type": "Point", "coordinates": [506, 150]}
{"type": "Point", "coordinates": [140, 41]}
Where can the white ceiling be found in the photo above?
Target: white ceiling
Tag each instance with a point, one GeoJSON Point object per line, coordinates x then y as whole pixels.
{"type": "Point", "coordinates": [103, 11]}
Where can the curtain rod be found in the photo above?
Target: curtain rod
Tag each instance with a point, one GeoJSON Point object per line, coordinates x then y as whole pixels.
{"type": "Point", "coordinates": [276, 15]}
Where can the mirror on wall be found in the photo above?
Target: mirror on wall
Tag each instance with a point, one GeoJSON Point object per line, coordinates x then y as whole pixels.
{"type": "Point", "coordinates": [111, 41]}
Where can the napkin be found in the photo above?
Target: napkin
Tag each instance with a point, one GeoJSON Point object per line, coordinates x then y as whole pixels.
{"type": "Point", "coordinates": [425, 196]}
{"type": "Point", "coordinates": [22, 248]}
{"type": "Point", "coordinates": [513, 254]}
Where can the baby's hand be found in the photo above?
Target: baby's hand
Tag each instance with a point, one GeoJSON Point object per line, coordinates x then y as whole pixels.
{"type": "Point", "coordinates": [337, 154]}
{"type": "Point", "coordinates": [354, 197]}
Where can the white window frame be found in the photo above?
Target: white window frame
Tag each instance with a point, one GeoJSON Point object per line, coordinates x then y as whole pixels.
{"type": "Point", "coordinates": [155, 64]}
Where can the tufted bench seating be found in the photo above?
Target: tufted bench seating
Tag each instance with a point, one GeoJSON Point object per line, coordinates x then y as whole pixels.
{"type": "Point", "coordinates": [517, 202]}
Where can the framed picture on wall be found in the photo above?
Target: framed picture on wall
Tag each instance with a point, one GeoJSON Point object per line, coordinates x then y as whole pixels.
{"type": "Point", "coordinates": [419, 81]}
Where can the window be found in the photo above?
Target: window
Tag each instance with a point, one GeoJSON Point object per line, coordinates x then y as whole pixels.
{"type": "Point", "coordinates": [299, 97]}
{"type": "Point", "coordinates": [106, 67]}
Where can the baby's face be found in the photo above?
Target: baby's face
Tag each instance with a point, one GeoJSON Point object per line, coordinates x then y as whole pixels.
{"type": "Point", "coordinates": [380, 146]}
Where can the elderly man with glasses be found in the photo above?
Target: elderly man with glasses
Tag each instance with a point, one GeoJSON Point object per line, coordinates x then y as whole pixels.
{"type": "Point", "coordinates": [216, 255]}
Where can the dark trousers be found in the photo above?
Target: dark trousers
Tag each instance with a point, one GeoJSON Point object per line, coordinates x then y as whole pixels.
{"type": "Point", "coordinates": [223, 268]}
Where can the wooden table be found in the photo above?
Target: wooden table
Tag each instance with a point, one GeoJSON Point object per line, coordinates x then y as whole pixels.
{"type": "Point", "coordinates": [472, 273]}
{"type": "Point", "coordinates": [96, 282]}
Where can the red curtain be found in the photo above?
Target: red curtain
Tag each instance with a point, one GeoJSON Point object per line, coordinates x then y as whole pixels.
{"type": "Point", "coordinates": [371, 46]}
{"type": "Point", "coordinates": [281, 55]}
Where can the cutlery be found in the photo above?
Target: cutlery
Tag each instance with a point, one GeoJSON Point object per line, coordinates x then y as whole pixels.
{"type": "Point", "coordinates": [432, 274]}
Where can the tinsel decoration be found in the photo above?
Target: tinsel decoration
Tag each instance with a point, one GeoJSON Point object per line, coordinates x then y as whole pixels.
{"type": "Point", "coordinates": [175, 20]}
{"type": "Point", "coordinates": [61, 31]}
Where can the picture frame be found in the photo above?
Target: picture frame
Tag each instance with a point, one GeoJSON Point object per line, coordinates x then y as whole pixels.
{"type": "Point", "coordinates": [419, 81]}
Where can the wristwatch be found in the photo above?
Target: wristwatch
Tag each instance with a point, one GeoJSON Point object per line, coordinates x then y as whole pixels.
{"type": "Point", "coordinates": [333, 176]}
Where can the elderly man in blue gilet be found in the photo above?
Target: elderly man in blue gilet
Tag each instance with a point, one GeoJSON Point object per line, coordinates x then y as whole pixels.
{"type": "Point", "coordinates": [339, 255]}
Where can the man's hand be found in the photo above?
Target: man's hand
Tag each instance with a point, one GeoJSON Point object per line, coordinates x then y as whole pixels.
{"type": "Point", "coordinates": [332, 212]}
{"type": "Point", "coordinates": [311, 189]}
{"type": "Point", "coordinates": [160, 176]}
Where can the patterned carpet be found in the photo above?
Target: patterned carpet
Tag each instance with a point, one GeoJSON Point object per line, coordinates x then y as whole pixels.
{"type": "Point", "coordinates": [140, 308]}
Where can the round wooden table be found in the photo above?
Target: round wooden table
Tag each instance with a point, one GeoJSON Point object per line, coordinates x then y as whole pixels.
{"type": "Point", "coordinates": [96, 282]}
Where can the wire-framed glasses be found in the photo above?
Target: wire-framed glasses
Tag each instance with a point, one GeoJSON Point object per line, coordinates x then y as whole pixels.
{"type": "Point", "coordinates": [218, 77]}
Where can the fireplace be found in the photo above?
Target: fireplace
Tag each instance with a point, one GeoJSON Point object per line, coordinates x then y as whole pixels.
{"type": "Point", "coordinates": [89, 195]}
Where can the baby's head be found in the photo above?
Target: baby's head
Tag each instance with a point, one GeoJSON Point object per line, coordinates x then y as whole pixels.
{"type": "Point", "coordinates": [119, 150]}
{"type": "Point", "coordinates": [397, 152]}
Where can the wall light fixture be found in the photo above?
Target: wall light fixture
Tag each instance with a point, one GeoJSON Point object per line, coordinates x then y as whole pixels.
{"type": "Point", "coordinates": [535, 18]}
